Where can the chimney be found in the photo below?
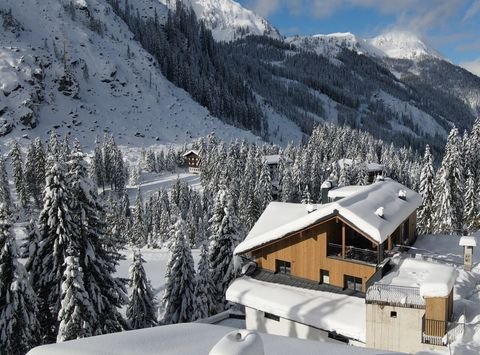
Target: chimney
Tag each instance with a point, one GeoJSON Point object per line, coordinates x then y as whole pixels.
{"type": "Point", "coordinates": [239, 342]}
{"type": "Point", "coordinates": [468, 243]}
{"type": "Point", "coordinates": [326, 187]}
{"type": "Point", "coordinates": [380, 212]}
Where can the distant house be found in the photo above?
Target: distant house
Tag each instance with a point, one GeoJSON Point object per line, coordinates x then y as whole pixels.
{"type": "Point", "coordinates": [308, 264]}
{"type": "Point", "coordinates": [374, 169]}
{"type": "Point", "coordinates": [192, 160]}
{"type": "Point", "coordinates": [273, 162]}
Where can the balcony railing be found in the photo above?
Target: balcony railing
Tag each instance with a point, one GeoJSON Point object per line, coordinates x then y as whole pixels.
{"type": "Point", "coordinates": [400, 296]}
{"type": "Point", "coordinates": [434, 332]}
{"type": "Point", "coordinates": [353, 253]}
{"type": "Point", "coordinates": [441, 333]}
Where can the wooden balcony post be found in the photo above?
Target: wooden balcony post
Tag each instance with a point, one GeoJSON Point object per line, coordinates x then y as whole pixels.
{"type": "Point", "coordinates": [343, 240]}
{"type": "Point", "coordinates": [389, 243]}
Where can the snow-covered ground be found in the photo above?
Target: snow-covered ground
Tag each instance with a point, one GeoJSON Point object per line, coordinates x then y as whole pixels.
{"type": "Point", "coordinates": [152, 183]}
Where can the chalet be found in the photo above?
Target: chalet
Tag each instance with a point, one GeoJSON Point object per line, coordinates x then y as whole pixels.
{"type": "Point", "coordinates": [273, 162]}
{"type": "Point", "coordinates": [192, 160]}
{"type": "Point", "coordinates": [374, 169]}
{"type": "Point", "coordinates": [313, 266]}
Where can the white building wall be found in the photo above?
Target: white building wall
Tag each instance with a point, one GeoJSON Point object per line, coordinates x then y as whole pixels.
{"type": "Point", "coordinates": [255, 320]}
{"type": "Point", "coordinates": [400, 333]}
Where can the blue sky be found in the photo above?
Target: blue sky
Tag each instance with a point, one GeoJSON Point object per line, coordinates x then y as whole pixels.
{"type": "Point", "coordinates": [450, 26]}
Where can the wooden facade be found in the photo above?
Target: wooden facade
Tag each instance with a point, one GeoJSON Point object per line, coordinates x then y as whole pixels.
{"type": "Point", "coordinates": [309, 254]}
{"type": "Point", "coordinates": [192, 160]}
{"type": "Point", "coordinates": [438, 311]}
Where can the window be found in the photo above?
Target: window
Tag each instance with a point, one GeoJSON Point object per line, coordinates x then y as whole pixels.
{"type": "Point", "coordinates": [282, 267]}
{"type": "Point", "coordinates": [353, 283]}
{"type": "Point", "coordinates": [393, 314]}
{"type": "Point", "coordinates": [272, 317]}
{"type": "Point", "coordinates": [324, 276]}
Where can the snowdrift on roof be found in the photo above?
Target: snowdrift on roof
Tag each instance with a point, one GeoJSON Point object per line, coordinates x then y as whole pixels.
{"type": "Point", "coordinates": [280, 220]}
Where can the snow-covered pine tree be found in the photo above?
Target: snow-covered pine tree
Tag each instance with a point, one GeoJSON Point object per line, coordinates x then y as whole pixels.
{"type": "Point", "coordinates": [18, 310]}
{"type": "Point", "coordinates": [138, 236]}
{"type": "Point", "coordinates": [449, 188]}
{"type": "Point", "coordinates": [34, 170]}
{"type": "Point", "coordinates": [471, 217]}
{"type": "Point", "coordinates": [287, 185]}
{"type": "Point", "coordinates": [58, 233]}
{"type": "Point", "coordinates": [178, 299]}
{"type": "Point", "coordinates": [263, 190]}
{"type": "Point", "coordinates": [98, 255]}
{"type": "Point", "coordinates": [224, 237]}
{"type": "Point", "coordinates": [306, 197]}
{"type": "Point", "coordinates": [205, 291]}
{"type": "Point", "coordinates": [98, 166]}
{"type": "Point", "coordinates": [5, 197]}
{"type": "Point", "coordinates": [150, 161]}
{"type": "Point", "coordinates": [252, 210]}
{"type": "Point", "coordinates": [427, 191]}
{"type": "Point", "coordinates": [29, 244]}
{"type": "Point", "coordinates": [18, 176]}
{"type": "Point", "coordinates": [141, 311]}
{"type": "Point", "coordinates": [76, 316]}
{"type": "Point", "coordinates": [362, 173]}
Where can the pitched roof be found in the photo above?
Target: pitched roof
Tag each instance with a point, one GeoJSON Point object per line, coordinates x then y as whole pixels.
{"type": "Point", "coordinates": [194, 151]}
{"type": "Point", "coordinates": [371, 167]}
{"type": "Point", "coordinates": [280, 220]}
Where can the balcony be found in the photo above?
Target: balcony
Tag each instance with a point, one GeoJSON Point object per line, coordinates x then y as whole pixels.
{"type": "Point", "coordinates": [352, 253]}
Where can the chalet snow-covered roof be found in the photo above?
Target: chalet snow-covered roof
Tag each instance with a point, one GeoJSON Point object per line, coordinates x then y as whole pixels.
{"type": "Point", "coordinates": [431, 279]}
{"type": "Point", "coordinates": [272, 159]}
{"type": "Point", "coordinates": [324, 310]}
{"type": "Point", "coordinates": [280, 220]}
{"type": "Point", "coordinates": [371, 167]}
{"type": "Point", "coordinates": [194, 151]}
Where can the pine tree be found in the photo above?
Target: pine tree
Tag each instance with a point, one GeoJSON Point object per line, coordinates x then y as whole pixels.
{"type": "Point", "coordinates": [205, 291]}
{"type": "Point", "coordinates": [98, 166]}
{"type": "Point", "coordinates": [471, 213]}
{"type": "Point", "coordinates": [141, 307]}
{"type": "Point", "coordinates": [427, 181]}
{"type": "Point", "coordinates": [178, 299]}
{"type": "Point", "coordinates": [449, 187]}
{"type": "Point", "coordinates": [76, 316]}
{"type": "Point", "coordinates": [98, 253]}
{"type": "Point", "coordinates": [138, 232]}
{"type": "Point", "coordinates": [18, 310]}
{"type": "Point", "coordinates": [263, 190]}
{"type": "Point", "coordinates": [5, 197]}
{"type": "Point", "coordinates": [18, 176]}
{"type": "Point", "coordinates": [224, 237]}
{"type": "Point", "coordinates": [57, 234]}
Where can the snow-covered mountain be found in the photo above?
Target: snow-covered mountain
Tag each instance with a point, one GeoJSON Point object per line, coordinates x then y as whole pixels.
{"type": "Point", "coordinates": [403, 45]}
{"type": "Point", "coordinates": [396, 45]}
{"type": "Point", "coordinates": [228, 20]}
{"type": "Point", "coordinates": [331, 44]}
{"type": "Point", "coordinates": [75, 66]}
